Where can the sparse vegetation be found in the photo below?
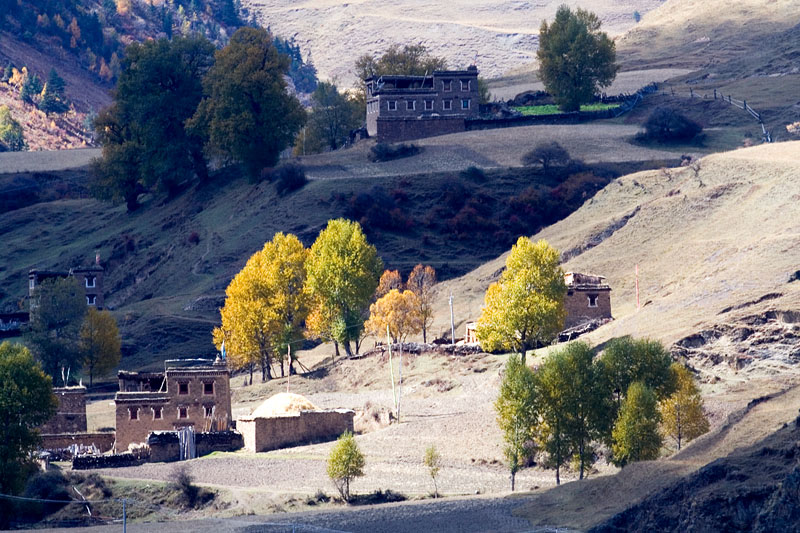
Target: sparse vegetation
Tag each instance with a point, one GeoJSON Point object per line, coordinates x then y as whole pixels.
{"type": "Point", "coordinates": [11, 135]}
{"type": "Point", "coordinates": [547, 155]}
{"type": "Point", "coordinates": [289, 178]}
{"type": "Point", "coordinates": [667, 125]}
{"type": "Point", "coordinates": [433, 462]}
{"type": "Point", "coordinates": [345, 463]}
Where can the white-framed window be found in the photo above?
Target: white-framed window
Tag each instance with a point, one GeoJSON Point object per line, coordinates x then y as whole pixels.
{"type": "Point", "coordinates": [156, 413]}
{"type": "Point", "coordinates": [465, 85]}
{"type": "Point", "coordinates": [391, 105]}
{"type": "Point", "coordinates": [447, 105]}
{"type": "Point", "coordinates": [428, 105]}
{"type": "Point", "coordinates": [411, 105]}
{"type": "Point", "coordinates": [208, 411]}
{"type": "Point", "coordinates": [183, 412]}
{"type": "Point", "coordinates": [31, 283]}
{"type": "Point", "coordinates": [208, 387]}
{"type": "Point", "coordinates": [133, 413]}
{"type": "Point", "coordinates": [183, 387]}
{"type": "Point", "coordinates": [447, 85]}
{"type": "Point", "coordinates": [592, 300]}
{"type": "Point", "coordinates": [91, 299]}
{"type": "Point", "coordinates": [465, 103]}
{"type": "Point", "coordinates": [91, 282]}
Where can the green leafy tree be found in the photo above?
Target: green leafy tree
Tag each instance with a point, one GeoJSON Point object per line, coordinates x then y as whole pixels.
{"type": "Point", "coordinates": [247, 114]}
{"type": "Point", "coordinates": [433, 462]}
{"type": "Point", "coordinates": [11, 134]}
{"type": "Point", "coordinates": [26, 401]}
{"type": "Point", "coordinates": [587, 400]}
{"type": "Point", "coordinates": [345, 463]}
{"type": "Point", "coordinates": [682, 416]}
{"type": "Point", "coordinates": [30, 89]}
{"type": "Point", "coordinates": [53, 99]}
{"type": "Point", "coordinates": [145, 142]}
{"type": "Point", "coordinates": [57, 308]}
{"type": "Point", "coordinates": [525, 308]}
{"type": "Point", "coordinates": [99, 343]}
{"type": "Point", "coordinates": [343, 273]}
{"type": "Point", "coordinates": [265, 306]}
{"type": "Point", "coordinates": [483, 90]}
{"type": "Point", "coordinates": [517, 409]}
{"type": "Point", "coordinates": [576, 59]}
{"type": "Point", "coordinates": [627, 360]}
{"type": "Point", "coordinates": [636, 436]}
{"type": "Point", "coordinates": [556, 401]}
{"type": "Point", "coordinates": [413, 60]}
{"type": "Point", "coordinates": [333, 116]}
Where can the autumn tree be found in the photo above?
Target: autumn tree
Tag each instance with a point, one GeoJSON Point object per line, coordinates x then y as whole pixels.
{"type": "Point", "coordinates": [411, 59]}
{"type": "Point", "coordinates": [433, 462]}
{"type": "Point", "coordinates": [333, 116]}
{"type": "Point", "coordinates": [525, 308]}
{"type": "Point", "coordinates": [399, 311]}
{"type": "Point", "coordinates": [26, 401]}
{"type": "Point", "coordinates": [247, 114]}
{"type": "Point", "coordinates": [636, 436]}
{"type": "Point", "coordinates": [343, 273]}
{"type": "Point", "coordinates": [345, 463]}
{"type": "Point", "coordinates": [627, 360]}
{"type": "Point", "coordinates": [99, 343]}
{"type": "Point", "coordinates": [265, 306]}
{"type": "Point", "coordinates": [57, 308]}
{"type": "Point", "coordinates": [30, 88]}
{"type": "Point", "coordinates": [682, 416]}
{"type": "Point", "coordinates": [517, 409]}
{"type": "Point", "coordinates": [575, 58]}
{"type": "Point", "coordinates": [146, 145]}
{"type": "Point", "coordinates": [390, 279]}
{"type": "Point", "coordinates": [421, 282]}
{"type": "Point", "coordinates": [53, 99]}
{"type": "Point", "coordinates": [11, 134]}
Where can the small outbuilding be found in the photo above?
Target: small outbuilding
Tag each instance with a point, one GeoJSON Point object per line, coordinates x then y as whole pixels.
{"type": "Point", "coordinates": [288, 419]}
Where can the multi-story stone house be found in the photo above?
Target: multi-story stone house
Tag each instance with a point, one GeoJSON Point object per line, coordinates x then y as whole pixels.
{"type": "Point", "coordinates": [411, 107]}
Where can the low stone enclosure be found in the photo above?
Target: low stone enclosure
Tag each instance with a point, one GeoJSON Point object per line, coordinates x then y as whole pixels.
{"type": "Point", "coordinates": [289, 419]}
{"type": "Point", "coordinates": [165, 445]}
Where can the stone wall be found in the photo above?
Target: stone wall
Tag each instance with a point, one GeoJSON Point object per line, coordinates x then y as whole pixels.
{"type": "Point", "coordinates": [103, 441]}
{"type": "Point", "coordinates": [578, 309]}
{"type": "Point", "coordinates": [264, 434]}
{"type": "Point", "coordinates": [71, 414]}
{"type": "Point", "coordinates": [120, 460]}
{"type": "Point", "coordinates": [165, 446]}
{"type": "Point", "coordinates": [398, 129]}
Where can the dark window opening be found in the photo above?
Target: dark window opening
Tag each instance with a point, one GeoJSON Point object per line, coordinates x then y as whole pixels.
{"type": "Point", "coordinates": [133, 412]}
{"type": "Point", "coordinates": [183, 412]}
{"type": "Point", "coordinates": [183, 388]}
{"type": "Point", "coordinates": [592, 300]}
{"type": "Point", "coordinates": [208, 410]}
{"type": "Point", "coordinates": [208, 388]}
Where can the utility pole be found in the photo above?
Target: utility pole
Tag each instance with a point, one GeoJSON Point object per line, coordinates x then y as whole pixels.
{"type": "Point", "coordinates": [124, 518]}
{"type": "Point", "coordinates": [452, 321]}
{"type": "Point", "coordinates": [391, 372]}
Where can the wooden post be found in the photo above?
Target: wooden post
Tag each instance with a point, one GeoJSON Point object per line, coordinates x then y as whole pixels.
{"type": "Point", "coordinates": [715, 94]}
{"type": "Point", "coordinates": [691, 92]}
{"type": "Point", "coordinates": [391, 368]}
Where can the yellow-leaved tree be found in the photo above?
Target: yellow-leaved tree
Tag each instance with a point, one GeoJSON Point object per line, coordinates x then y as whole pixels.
{"type": "Point", "coordinates": [265, 306]}
{"type": "Point", "coordinates": [99, 343]}
{"type": "Point", "coordinates": [343, 272]}
{"type": "Point", "coordinates": [390, 279]}
{"type": "Point", "coordinates": [682, 416]}
{"type": "Point", "coordinates": [525, 308]}
{"type": "Point", "coordinates": [397, 310]}
{"type": "Point", "coordinates": [421, 282]}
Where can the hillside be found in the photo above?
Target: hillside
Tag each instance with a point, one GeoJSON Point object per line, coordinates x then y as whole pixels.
{"type": "Point", "coordinates": [715, 245]}
{"type": "Point", "coordinates": [498, 36]}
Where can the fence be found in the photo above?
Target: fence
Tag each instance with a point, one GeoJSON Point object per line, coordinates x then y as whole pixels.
{"type": "Point", "coordinates": [741, 104]}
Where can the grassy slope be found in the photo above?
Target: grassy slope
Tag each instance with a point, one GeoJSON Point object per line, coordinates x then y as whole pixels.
{"type": "Point", "coordinates": [703, 243]}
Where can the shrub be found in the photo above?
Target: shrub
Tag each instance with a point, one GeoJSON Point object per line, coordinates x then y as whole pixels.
{"type": "Point", "coordinates": [189, 494]}
{"type": "Point", "coordinates": [433, 461]}
{"type": "Point", "coordinates": [547, 155]}
{"type": "Point", "coordinates": [193, 238]}
{"type": "Point", "coordinates": [50, 485]}
{"type": "Point", "coordinates": [289, 178]}
{"type": "Point", "coordinates": [345, 463]}
{"type": "Point", "coordinates": [473, 174]}
{"type": "Point", "coordinates": [387, 152]}
{"type": "Point", "coordinates": [667, 125]}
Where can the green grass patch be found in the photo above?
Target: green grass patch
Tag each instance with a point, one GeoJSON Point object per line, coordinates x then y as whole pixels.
{"type": "Point", "coordinates": [552, 109]}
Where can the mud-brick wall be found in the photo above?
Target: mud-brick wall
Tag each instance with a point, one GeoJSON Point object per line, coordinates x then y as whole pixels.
{"type": "Point", "coordinates": [71, 414]}
{"type": "Point", "coordinates": [395, 130]}
{"type": "Point", "coordinates": [578, 310]}
{"type": "Point", "coordinates": [165, 445]}
{"type": "Point", "coordinates": [103, 441]}
{"type": "Point", "coordinates": [264, 434]}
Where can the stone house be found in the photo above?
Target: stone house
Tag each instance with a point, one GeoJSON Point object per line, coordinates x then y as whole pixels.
{"type": "Point", "coordinates": [70, 415]}
{"type": "Point", "coordinates": [91, 278]}
{"type": "Point", "coordinates": [403, 107]}
{"type": "Point", "coordinates": [197, 396]}
{"type": "Point", "coordinates": [588, 298]}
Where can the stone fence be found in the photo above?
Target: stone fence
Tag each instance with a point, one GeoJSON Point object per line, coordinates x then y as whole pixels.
{"type": "Point", "coordinates": [270, 433]}
{"type": "Point", "coordinates": [102, 441]}
{"type": "Point", "coordinates": [165, 445]}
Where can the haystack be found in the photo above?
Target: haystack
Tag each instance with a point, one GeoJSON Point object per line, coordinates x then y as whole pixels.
{"type": "Point", "coordinates": [284, 403]}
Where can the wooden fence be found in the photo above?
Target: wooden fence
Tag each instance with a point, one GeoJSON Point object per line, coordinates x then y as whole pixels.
{"type": "Point", "coordinates": [741, 104]}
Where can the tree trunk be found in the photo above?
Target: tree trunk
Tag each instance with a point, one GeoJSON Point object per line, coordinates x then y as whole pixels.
{"type": "Point", "coordinates": [424, 334]}
{"type": "Point", "coordinates": [91, 375]}
{"type": "Point", "coordinates": [580, 451]}
{"type": "Point", "coordinates": [347, 349]}
{"type": "Point", "coordinates": [251, 373]}
{"type": "Point", "coordinates": [522, 353]}
{"type": "Point", "coordinates": [513, 480]}
{"type": "Point", "coordinates": [336, 348]}
{"type": "Point", "coordinates": [282, 372]}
